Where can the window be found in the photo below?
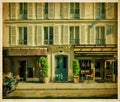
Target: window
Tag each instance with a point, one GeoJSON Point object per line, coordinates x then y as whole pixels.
{"type": "Point", "coordinates": [74, 35]}
{"type": "Point", "coordinates": [74, 10]}
{"type": "Point", "coordinates": [100, 11]}
{"type": "Point", "coordinates": [23, 10]}
{"type": "Point", "coordinates": [48, 35]}
{"type": "Point", "coordinates": [100, 35]}
{"type": "Point", "coordinates": [23, 35]}
{"type": "Point", "coordinates": [46, 10]}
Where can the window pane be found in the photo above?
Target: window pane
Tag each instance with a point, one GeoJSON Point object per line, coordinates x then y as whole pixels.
{"type": "Point", "coordinates": [25, 35]}
{"type": "Point", "coordinates": [72, 8]}
{"type": "Point", "coordinates": [77, 5]}
{"type": "Point", "coordinates": [46, 8]}
{"type": "Point", "coordinates": [20, 35]}
{"type": "Point", "coordinates": [71, 32]}
{"type": "Point", "coordinates": [45, 32]}
{"type": "Point", "coordinates": [51, 33]}
{"type": "Point", "coordinates": [77, 32]}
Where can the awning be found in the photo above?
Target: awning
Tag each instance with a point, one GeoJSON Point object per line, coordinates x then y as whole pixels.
{"type": "Point", "coordinates": [26, 51]}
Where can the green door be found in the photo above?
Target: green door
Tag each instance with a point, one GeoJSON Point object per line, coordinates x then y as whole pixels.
{"type": "Point", "coordinates": [61, 68]}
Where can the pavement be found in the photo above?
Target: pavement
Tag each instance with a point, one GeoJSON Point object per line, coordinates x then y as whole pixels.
{"type": "Point", "coordinates": [67, 86]}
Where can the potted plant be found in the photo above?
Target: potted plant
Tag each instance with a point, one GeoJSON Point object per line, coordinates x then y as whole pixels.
{"type": "Point", "coordinates": [44, 69]}
{"type": "Point", "coordinates": [76, 70]}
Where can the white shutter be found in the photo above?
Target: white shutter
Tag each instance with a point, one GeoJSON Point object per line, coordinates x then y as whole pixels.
{"type": "Point", "coordinates": [92, 35]}
{"type": "Point", "coordinates": [57, 35]}
{"type": "Point", "coordinates": [82, 10]}
{"type": "Point", "coordinates": [66, 34]}
{"type": "Point", "coordinates": [12, 10]}
{"type": "Point", "coordinates": [30, 33]}
{"type": "Point", "coordinates": [13, 40]}
{"type": "Point", "coordinates": [82, 37]}
{"type": "Point", "coordinates": [30, 11]}
{"type": "Point", "coordinates": [39, 11]}
{"type": "Point", "coordinates": [110, 10]}
{"type": "Point", "coordinates": [65, 10]}
{"type": "Point", "coordinates": [51, 10]}
{"type": "Point", "coordinates": [39, 35]}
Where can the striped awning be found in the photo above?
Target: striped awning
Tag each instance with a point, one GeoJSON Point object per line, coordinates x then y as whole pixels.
{"type": "Point", "coordinates": [26, 51]}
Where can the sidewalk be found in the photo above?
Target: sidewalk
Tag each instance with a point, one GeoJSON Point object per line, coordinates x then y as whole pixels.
{"type": "Point", "coordinates": [67, 86]}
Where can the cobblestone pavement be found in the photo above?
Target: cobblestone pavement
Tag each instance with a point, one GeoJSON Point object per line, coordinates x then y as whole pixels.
{"type": "Point", "coordinates": [64, 90]}
{"type": "Point", "coordinates": [63, 94]}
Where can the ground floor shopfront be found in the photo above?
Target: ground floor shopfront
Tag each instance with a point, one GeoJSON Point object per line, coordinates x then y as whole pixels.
{"type": "Point", "coordinates": [99, 65]}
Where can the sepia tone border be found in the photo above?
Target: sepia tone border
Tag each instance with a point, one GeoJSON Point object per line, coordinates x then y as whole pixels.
{"type": "Point", "coordinates": [59, 100]}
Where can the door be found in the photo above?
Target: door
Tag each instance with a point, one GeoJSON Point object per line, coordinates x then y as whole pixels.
{"type": "Point", "coordinates": [61, 68]}
{"type": "Point", "coordinates": [22, 69]}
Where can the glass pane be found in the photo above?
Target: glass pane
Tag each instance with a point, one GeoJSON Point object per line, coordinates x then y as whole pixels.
{"type": "Point", "coordinates": [46, 8]}
{"type": "Point", "coordinates": [51, 33]}
{"type": "Point", "coordinates": [102, 32]}
{"type": "Point", "coordinates": [72, 8]}
{"type": "Point", "coordinates": [77, 5]}
{"type": "Point", "coordinates": [71, 32]}
{"type": "Point", "coordinates": [20, 35]}
{"type": "Point", "coordinates": [25, 35]}
{"type": "Point", "coordinates": [45, 32]}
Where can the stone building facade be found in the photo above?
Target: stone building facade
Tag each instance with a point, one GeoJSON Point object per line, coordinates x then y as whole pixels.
{"type": "Point", "coordinates": [60, 32]}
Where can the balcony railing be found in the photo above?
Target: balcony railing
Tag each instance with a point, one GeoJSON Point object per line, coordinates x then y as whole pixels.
{"type": "Point", "coordinates": [100, 41]}
{"type": "Point", "coordinates": [74, 41]}
{"type": "Point", "coordinates": [48, 41]}
{"type": "Point", "coordinates": [22, 42]}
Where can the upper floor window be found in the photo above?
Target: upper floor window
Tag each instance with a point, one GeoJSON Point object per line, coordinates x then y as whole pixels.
{"type": "Point", "coordinates": [48, 35]}
{"type": "Point", "coordinates": [100, 35]}
{"type": "Point", "coordinates": [100, 11]}
{"type": "Point", "coordinates": [74, 35]}
{"type": "Point", "coordinates": [23, 35]}
{"type": "Point", "coordinates": [23, 10]}
{"type": "Point", "coordinates": [46, 10]}
{"type": "Point", "coordinates": [74, 10]}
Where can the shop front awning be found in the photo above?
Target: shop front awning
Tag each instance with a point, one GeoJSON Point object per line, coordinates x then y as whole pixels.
{"type": "Point", "coordinates": [26, 51]}
{"type": "Point", "coordinates": [95, 50]}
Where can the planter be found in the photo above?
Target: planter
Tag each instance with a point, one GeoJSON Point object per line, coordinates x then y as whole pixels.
{"type": "Point", "coordinates": [45, 80]}
{"type": "Point", "coordinates": [76, 79]}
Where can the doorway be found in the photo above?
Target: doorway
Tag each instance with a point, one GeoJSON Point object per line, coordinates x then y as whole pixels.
{"type": "Point", "coordinates": [61, 68]}
{"type": "Point", "coordinates": [22, 70]}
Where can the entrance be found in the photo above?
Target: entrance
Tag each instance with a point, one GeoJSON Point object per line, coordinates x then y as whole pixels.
{"type": "Point", "coordinates": [22, 69]}
{"type": "Point", "coordinates": [61, 68]}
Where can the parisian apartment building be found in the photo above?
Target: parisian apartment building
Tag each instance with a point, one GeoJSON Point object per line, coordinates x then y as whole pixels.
{"type": "Point", "coordinates": [60, 32]}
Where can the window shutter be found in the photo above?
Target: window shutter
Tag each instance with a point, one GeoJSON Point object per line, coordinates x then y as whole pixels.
{"type": "Point", "coordinates": [12, 11]}
{"type": "Point", "coordinates": [13, 40]}
{"type": "Point", "coordinates": [30, 33]}
{"type": "Point", "coordinates": [65, 10]}
{"type": "Point", "coordinates": [39, 11]}
{"type": "Point", "coordinates": [39, 35]}
{"type": "Point", "coordinates": [51, 10]}
{"type": "Point", "coordinates": [110, 11]}
{"type": "Point", "coordinates": [92, 36]}
{"type": "Point", "coordinates": [57, 35]}
{"type": "Point", "coordinates": [65, 34]}
{"type": "Point", "coordinates": [30, 11]}
{"type": "Point", "coordinates": [82, 10]}
{"type": "Point", "coordinates": [82, 40]}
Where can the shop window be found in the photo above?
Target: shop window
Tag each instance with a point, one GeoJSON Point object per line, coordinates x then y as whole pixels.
{"type": "Point", "coordinates": [74, 10]}
{"type": "Point", "coordinates": [23, 35]}
{"type": "Point", "coordinates": [74, 35]}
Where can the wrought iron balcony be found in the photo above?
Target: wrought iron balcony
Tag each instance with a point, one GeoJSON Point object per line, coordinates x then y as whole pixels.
{"type": "Point", "coordinates": [74, 41]}
{"type": "Point", "coordinates": [100, 41]}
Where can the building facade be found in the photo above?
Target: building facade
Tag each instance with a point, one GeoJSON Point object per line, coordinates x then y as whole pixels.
{"type": "Point", "coordinates": [60, 32]}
